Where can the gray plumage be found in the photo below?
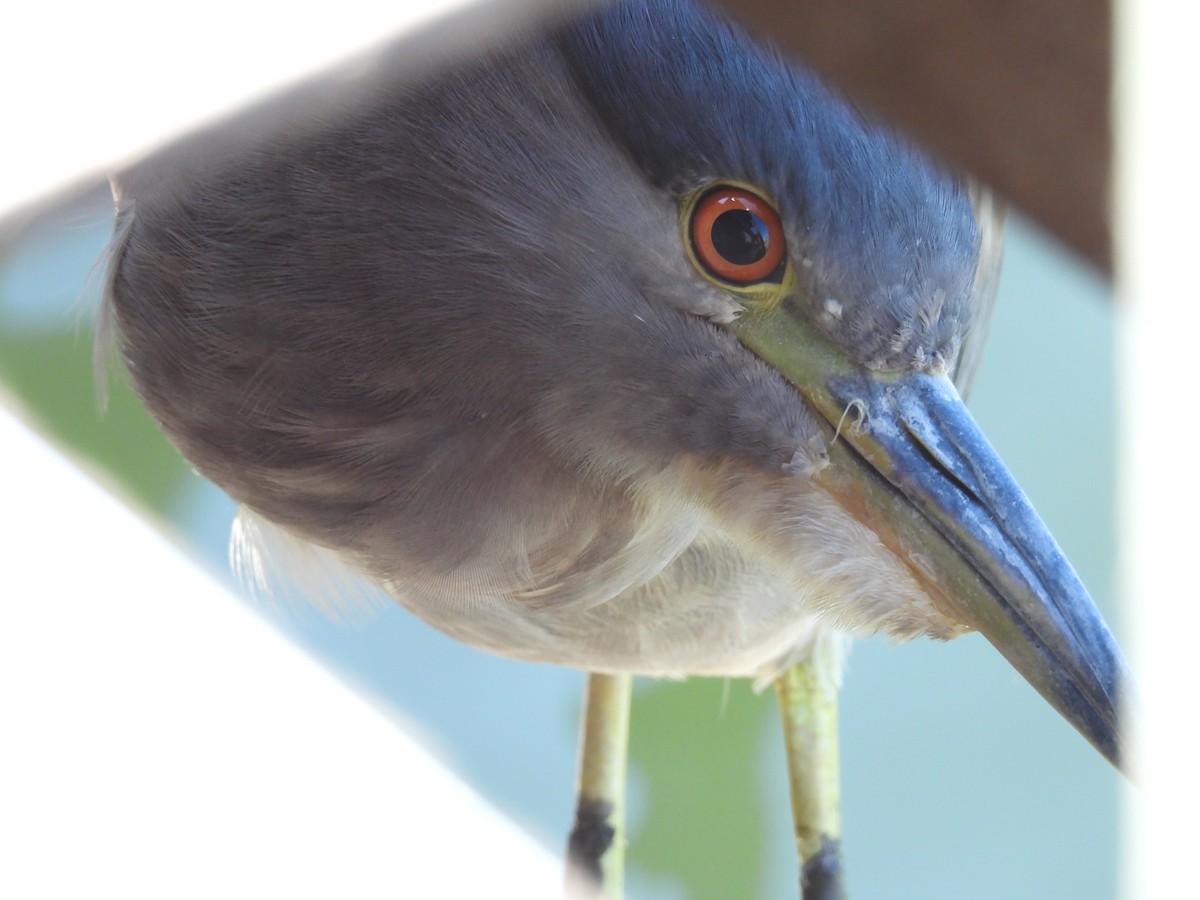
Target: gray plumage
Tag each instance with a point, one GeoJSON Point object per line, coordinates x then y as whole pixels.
{"type": "Point", "coordinates": [449, 332]}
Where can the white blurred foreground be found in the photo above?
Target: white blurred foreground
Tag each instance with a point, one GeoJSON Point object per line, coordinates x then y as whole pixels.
{"type": "Point", "coordinates": [161, 740]}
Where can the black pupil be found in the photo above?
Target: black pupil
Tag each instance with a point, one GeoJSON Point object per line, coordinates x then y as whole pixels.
{"type": "Point", "coordinates": [740, 237]}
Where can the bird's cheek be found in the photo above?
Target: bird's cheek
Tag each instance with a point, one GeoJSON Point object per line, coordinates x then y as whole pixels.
{"type": "Point", "coordinates": [823, 546]}
{"type": "Point", "coordinates": [904, 535]}
{"type": "Point", "coordinates": [889, 585]}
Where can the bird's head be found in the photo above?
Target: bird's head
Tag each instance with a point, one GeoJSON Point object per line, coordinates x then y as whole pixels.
{"type": "Point", "coordinates": [863, 273]}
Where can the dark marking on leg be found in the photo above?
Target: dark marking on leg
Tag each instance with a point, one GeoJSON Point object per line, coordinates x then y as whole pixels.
{"type": "Point", "coordinates": [591, 837]}
{"type": "Point", "coordinates": [821, 876]}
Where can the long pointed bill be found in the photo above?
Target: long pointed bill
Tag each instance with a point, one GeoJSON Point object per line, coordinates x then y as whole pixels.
{"type": "Point", "coordinates": [910, 463]}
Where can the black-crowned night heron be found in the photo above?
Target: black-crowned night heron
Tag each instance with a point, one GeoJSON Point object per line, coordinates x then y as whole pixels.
{"type": "Point", "coordinates": [627, 347]}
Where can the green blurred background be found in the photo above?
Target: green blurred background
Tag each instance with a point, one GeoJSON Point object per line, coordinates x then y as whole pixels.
{"type": "Point", "coordinates": [958, 780]}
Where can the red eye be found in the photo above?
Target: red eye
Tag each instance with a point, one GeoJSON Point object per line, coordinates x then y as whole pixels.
{"type": "Point", "coordinates": [737, 236]}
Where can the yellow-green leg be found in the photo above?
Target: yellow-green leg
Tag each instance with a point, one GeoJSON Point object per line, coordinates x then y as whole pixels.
{"type": "Point", "coordinates": [596, 849]}
{"type": "Point", "coordinates": [808, 705]}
